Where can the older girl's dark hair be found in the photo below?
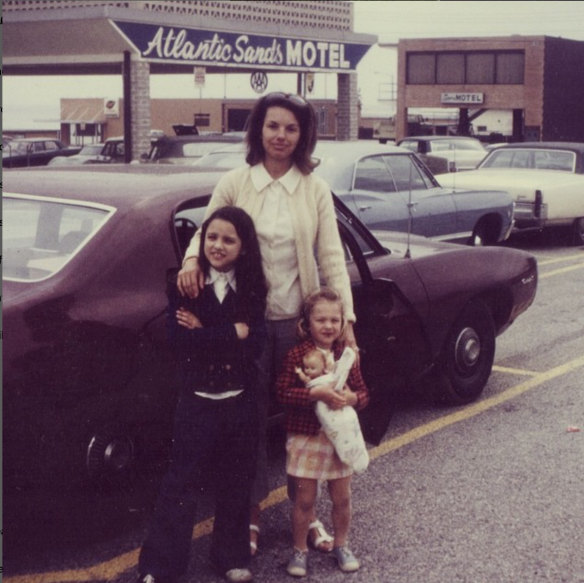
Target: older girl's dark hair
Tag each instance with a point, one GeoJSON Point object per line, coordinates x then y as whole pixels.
{"type": "Point", "coordinates": [249, 275]}
{"type": "Point", "coordinates": [304, 114]}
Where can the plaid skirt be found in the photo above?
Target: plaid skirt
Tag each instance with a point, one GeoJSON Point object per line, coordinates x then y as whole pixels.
{"type": "Point", "coordinates": [314, 457]}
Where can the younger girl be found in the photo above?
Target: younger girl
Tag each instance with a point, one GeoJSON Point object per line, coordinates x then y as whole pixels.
{"type": "Point", "coordinates": [310, 455]}
{"type": "Point", "coordinates": [217, 337]}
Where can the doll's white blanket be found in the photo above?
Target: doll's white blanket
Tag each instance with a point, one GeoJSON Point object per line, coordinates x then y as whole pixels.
{"type": "Point", "coordinates": [341, 426]}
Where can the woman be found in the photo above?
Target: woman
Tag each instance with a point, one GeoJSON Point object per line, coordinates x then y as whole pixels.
{"type": "Point", "coordinates": [294, 216]}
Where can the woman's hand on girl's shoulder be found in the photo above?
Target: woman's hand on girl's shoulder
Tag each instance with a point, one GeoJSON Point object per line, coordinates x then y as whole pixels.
{"type": "Point", "coordinates": [190, 278]}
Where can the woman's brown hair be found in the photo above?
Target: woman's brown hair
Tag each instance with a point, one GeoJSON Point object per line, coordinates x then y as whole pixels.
{"type": "Point", "coordinates": [304, 114]}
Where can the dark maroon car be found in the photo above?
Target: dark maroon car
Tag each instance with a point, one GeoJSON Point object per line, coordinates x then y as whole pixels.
{"type": "Point", "coordinates": [88, 382]}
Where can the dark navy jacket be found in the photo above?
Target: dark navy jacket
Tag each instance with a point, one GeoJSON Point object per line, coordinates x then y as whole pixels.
{"type": "Point", "coordinates": [212, 359]}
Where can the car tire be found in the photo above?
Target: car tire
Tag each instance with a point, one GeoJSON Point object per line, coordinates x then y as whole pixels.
{"type": "Point", "coordinates": [110, 455]}
{"type": "Point", "coordinates": [468, 354]}
{"type": "Point", "coordinates": [483, 233]}
{"type": "Point", "coordinates": [578, 232]}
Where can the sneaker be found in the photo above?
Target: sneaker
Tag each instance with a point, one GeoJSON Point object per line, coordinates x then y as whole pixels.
{"type": "Point", "coordinates": [346, 559]}
{"type": "Point", "coordinates": [148, 578]}
{"type": "Point", "coordinates": [238, 575]}
{"type": "Point", "coordinates": [297, 566]}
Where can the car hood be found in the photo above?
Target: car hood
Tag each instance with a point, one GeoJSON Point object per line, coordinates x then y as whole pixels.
{"type": "Point", "coordinates": [509, 179]}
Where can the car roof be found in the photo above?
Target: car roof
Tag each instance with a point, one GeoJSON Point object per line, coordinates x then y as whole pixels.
{"type": "Point", "coordinates": [428, 138]}
{"type": "Point", "coordinates": [576, 146]}
{"type": "Point", "coordinates": [33, 139]}
{"type": "Point", "coordinates": [200, 138]}
{"type": "Point", "coordinates": [120, 186]}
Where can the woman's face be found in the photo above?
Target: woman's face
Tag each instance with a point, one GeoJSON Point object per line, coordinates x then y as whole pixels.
{"type": "Point", "coordinates": [280, 134]}
{"type": "Point", "coordinates": [222, 244]}
{"type": "Point", "coordinates": [325, 323]}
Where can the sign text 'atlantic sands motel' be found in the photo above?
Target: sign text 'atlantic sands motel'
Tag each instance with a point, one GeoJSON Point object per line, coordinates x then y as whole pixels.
{"type": "Point", "coordinates": [203, 47]}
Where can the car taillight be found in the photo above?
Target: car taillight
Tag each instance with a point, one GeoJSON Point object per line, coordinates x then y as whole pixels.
{"type": "Point", "coordinates": [538, 203]}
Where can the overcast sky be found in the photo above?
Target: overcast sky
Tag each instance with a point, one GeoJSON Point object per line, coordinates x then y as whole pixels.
{"type": "Point", "coordinates": [27, 99]}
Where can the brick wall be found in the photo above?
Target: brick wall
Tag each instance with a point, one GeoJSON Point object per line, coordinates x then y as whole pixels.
{"type": "Point", "coordinates": [348, 107]}
{"type": "Point", "coordinates": [141, 116]}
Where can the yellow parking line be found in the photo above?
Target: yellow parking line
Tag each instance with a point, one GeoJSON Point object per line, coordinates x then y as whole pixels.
{"type": "Point", "coordinates": [562, 270]}
{"type": "Point", "coordinates": [560, 259]}
{"type": "Point", "coordinates": [517, 371]}
{"type": "Point", "coordinates": [476, 408]}
{"type": "Point", "coordinates": [113, 568]}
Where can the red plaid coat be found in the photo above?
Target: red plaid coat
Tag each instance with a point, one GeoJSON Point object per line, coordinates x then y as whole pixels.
{"type": "Point", "coordinates": [300, 415]}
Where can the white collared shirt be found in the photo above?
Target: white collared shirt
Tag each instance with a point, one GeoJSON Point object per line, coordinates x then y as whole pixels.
{"type": "Point", "coordinates": [220, 280]}
{"type": "Point", "coordinates": [278, 242]}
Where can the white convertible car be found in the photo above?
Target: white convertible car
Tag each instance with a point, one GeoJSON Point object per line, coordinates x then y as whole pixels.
{"type": "Point", "coordinates": [546, 181]}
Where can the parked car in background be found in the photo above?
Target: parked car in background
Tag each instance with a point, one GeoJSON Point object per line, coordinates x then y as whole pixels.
{"type": "Point", "coordinates": [462, 153]}
{"type": "Point", "coordinates": [185, 149]}
{"type": "Point", "coordinates": [87, 155]}
{"type": "Point", "coordinates": [564, 156]}
{"type": "Point", "coordinates": [388, 187]}
{"type": "Point", "coordinates": [18, 153]}
{"type": "Point", "coordinates": [545, 179]}
{"type": "Point", "coordinates": [112, 151]}
{"type": "Point", "coordinates": [88, 385]}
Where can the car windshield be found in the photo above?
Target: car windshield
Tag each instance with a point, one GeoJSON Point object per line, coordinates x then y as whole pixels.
{"type": "Point", "coordinates": [534, 158]}
{"type": "Point", "coordinates": [91, 150]}
{"type": "Point", "coordinates": [441, 145]}
{"type": "Point", "coordinates": [39, 237]}
{"type": "Point", "coordinates": [221, 160]}
{"type": "Point", "coordinates": [16, 147]}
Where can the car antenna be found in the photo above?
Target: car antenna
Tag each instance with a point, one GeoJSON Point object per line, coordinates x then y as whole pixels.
{"type": "Point", "coordinates": [408, 253]}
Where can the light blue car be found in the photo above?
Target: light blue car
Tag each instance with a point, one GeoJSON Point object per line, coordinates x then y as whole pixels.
{"type": "Point", "coordinates": [389, 188]}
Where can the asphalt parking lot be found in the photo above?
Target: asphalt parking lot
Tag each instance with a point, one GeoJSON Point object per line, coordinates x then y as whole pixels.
{"type": "Point", "coordinates": [490, 492]}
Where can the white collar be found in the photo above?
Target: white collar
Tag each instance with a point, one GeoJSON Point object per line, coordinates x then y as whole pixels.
{"type": "Point", "coordinates": [215, 275]}
{"type": "Point", "coordinates": [261, 178]}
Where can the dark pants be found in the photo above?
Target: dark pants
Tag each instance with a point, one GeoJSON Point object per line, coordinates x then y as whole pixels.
{"type": "Point", "coordinates": [282, 336]}
{"type": "Point", "coordinates": [215, 443]}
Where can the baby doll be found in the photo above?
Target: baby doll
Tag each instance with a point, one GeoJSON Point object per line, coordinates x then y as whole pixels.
{"type": "Point", "coordinates": [314, 364]}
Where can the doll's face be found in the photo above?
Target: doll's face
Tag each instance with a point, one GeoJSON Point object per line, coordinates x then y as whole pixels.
{"type": "Point", "coordinates": [313, 365]}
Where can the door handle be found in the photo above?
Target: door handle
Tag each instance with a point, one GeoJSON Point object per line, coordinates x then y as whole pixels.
{"type": "Point", "coordinates": [364, 208]}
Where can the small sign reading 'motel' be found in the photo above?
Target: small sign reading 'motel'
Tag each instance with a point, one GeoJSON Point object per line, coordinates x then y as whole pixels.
{"type": "Point", "coordinates": [462, 98]}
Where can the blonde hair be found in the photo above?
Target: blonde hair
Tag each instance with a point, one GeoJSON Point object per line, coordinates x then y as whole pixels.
{"type": "Point", "coordinates": [324, 293]}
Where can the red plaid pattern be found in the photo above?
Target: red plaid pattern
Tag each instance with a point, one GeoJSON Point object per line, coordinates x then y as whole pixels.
{"type": "Point", "coordinates": [300, 415]}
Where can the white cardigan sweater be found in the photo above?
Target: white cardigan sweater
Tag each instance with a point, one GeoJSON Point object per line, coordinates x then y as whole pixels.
{"type": "Point", "coordinates": [314, 223]}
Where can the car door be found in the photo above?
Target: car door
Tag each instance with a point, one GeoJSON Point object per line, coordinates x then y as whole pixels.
{"type": "Point", "coordinates": [433, 212]}
{"type": "Point", "coordinates": [388, 329]}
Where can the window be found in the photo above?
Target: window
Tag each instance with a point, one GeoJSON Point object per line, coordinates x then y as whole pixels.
{"type": "Point", "coordinates": [405, 173]}
{"type": "Point", "coordinates": [450, 68]}
{"type": "Point", "coordinates": [421, 69]}
{"type": "Point", "coordinates": [372, 174]}
{"type": "Point", "coordinates": [552, 160]}
{"type": "Point", "coordinates": [510, 68]}
{"type": "Point", "coordinates": [51, 146]}
{"type": "Point", "coordinates": [40, 237]}
{"type": "Point", "coordinates": [480, 68]}
{"type": "Point", "coordinates": [202, 120]}
{"type": "Point", "coordinates": [465, 67]}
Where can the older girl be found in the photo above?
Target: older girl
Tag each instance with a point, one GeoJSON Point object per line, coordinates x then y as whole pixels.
{"type": "Point", "coordinates": [217, 338]}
